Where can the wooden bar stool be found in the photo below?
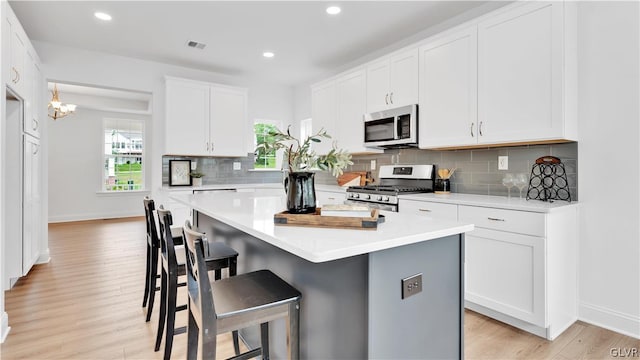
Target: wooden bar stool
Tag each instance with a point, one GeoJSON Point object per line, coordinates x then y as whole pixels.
{"type": "Point", "coordinates": [220, 256]}
{"type": "Point", "coordinates": [233, 303]}
{"type": "Point", "coordinates": [153, 249]}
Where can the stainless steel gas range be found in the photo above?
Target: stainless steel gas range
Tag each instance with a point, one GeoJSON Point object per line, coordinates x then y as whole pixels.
{"type": "Point", "coordinates": [394, 180]}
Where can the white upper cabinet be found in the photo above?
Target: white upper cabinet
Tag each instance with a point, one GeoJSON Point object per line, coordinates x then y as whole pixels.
{"type": "Point", "coordinates": [324, 111]}
{"type": "Point", "coordinates": [16, 57]}
{"type": "Point", "coordinates": [448, 90]}
{"type": "Point", "coordinates": [351, 106]}
{"type": "Point", "coordinates": [393, 81]}
{"type": "Point", "coordinates": [525, 86]}
{"type": "Point", "coordinates": [205, 119]}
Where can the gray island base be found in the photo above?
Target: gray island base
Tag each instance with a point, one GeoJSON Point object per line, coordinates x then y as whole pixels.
{"type": "Point", "coordinates": [352, 307]}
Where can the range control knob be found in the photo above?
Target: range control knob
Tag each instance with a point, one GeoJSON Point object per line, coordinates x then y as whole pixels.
{"type": "Point", "coordinates": [366, 197]}
{"type": "Point", "coordinates": [355, 195]}
{"type": "Point", "coordinates": [386, 198]}
{"type": "Point", "coordinates": [379, 197]}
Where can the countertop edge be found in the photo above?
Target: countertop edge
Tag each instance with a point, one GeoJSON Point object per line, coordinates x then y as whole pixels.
{"type": "Point", "coordinates": [488, 201]}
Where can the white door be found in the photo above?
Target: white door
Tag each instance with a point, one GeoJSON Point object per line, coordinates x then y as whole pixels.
{"type": "Point", "coordinates": [187, 118]}
{"type": "Point", "coordinates": [351, 104]}
{"type": "Point", "coordinates": [228, 129]}
{"type": "Point", "coordinates": [31, 204]}
{"type": "Point", "coordinates": [378, 86]}
{"type": "Point", "coordinates": [506, 272]}
{"type": "Point", "coordinates": [448, 91]}
{"type": "Point", "coordinates": [403, 78]}
{"type": "Point", "coordinates": [324, 111]}
{"type": "Point", "coordinates": [520, 74]}
{"type": "Point", "coordinates": [17, 79]}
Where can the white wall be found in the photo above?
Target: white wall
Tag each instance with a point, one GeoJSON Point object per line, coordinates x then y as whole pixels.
{"type": "Point", "coordinates": [4, 319]}
{"type": "Point", "coordinates": [608, 109]}
{"type": "Point", "coordinates": [100, 69]}
{"type": "Point", "coordinates": [76, 145]}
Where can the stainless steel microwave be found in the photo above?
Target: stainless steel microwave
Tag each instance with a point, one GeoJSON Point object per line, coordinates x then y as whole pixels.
{"type": "Point", "coordinates": [392, 128]}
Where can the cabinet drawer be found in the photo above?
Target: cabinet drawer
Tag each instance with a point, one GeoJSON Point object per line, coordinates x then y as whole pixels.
{"type": "Point", "coordinates": [521, 222]}
{"type": "Point", "coordinates": [432, 209]}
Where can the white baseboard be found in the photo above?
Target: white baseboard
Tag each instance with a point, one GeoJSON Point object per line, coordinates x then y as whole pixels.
{"type": "Point", "coordinates": [4, 327]}
{"type": "Point", "coordinates": [610, 319]}
{"type": "Point", "coordinates": [44, 257]}
{"type": "Point", "coordinates": [94, 216]}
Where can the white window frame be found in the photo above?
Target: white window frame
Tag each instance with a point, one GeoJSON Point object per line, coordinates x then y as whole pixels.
{"type": "Point", "coordinates": [306, 128]}
{"type": "Point", "coordinates": [103, 156]}
{"type": "Point", "coordinates": [279, 152]}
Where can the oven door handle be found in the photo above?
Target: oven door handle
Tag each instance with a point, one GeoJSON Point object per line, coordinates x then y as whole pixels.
{"type": "Point", "coordinates": [395, 127]}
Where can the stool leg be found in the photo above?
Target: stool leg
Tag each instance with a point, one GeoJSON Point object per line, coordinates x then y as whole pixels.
{"type": "Point", "coordinates": [264, 340]}
{"type": "Point", "coordinates": [192, 336]}
{"type": "Point", "coordinates": [152, 281]}
{"type": "Point", "coordinates": [233, 268]}
{"type": "Point", "coordinates": [172, 293]}
{"type": "Point", "coordinates": [162, 318]}
{"type": "Point", "coordinates": [218, 274]}
{"type": "Point", "coordinates": [294, 331]}
{"type": "Point", "coordinates": [147, 279]}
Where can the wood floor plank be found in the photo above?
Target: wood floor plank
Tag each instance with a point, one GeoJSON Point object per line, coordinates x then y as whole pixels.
{"type": "Point", "coordinates": [86, 304]}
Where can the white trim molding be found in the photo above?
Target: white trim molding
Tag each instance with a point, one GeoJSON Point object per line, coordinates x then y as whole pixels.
{"type": "Point", "coordinates": [4, 327]}
{"type": "Point", "coordinates": [610, 319]}
{"type": "Point", "coordinates": [94, 216]}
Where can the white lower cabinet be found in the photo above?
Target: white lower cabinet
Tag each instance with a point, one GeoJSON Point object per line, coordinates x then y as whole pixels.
{"type": "Point", "coordinates": [432, 209]}
{"type": "Point", "coordinates": [520, 266]}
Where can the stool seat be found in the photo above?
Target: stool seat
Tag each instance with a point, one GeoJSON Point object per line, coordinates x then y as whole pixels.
{"type": "Point", "coordinates": [245, 292]}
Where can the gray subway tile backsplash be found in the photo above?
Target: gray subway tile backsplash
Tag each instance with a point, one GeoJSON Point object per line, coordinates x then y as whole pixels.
{"type": "Point", "coordinates": [476, 169]}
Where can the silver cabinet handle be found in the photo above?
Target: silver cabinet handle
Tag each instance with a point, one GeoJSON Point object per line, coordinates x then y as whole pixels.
{"type": "Point", "coordinates": [331, 198]}
{"type": "Point", "coordinates": [34, 124]}
{"type": "Point", "coordinates": [480, 129]}
{"type": "Point", "coordinates": [212, 146]}
{"type": "Point", "coordinates": [391, 97]}
{"type": "Point", "coordinates": [495, 219]}
{"type": "Point", "coordinates": [17, 77]}
{"type": "Point", "coordinates": [471, 129]}
{"type": "Point", "coordinates": [386, 99]}
{"type": "Point", "coordinates": [207, 146]}
{"type": "Point", "coordinates": [36, 148]}
{"type": "Point", "coordinates": [424, 210]}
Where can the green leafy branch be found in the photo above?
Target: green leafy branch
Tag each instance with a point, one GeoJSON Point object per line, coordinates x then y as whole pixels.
{"type": "Point", "coordinates": [301, 156]}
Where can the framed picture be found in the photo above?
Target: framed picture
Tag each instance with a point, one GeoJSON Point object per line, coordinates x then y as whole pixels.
{"type": "Point", "coordinates": [179, 172]}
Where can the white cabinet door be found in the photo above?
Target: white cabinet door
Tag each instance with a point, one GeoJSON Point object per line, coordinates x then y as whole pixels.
{"type": "Point", "coordinates": [351, 106]}
{"type": "Point", "coordinates": [17, 78]}
{"type": "Point", "coordinates": [506, 272]}
{"type": "Point", "coordinates": [448, 91]}
{"type": "Point", "coordinates": [430, 209]}
{"type": "Point", "coordinates": [33, 105]}
{"type": "Point", "coordinates": [520, 74]}
{"type": "Point", "coordinates": [393, 81]}
{"type": "Point", "coordinates": [187, 118]}
{"type": "Point", "coordinates": [403, 78]}
{"type": "Point", "coordinates": [228, 126]}
{"type": "Point", "coordinates": [32, 204]}
{"type": "Point", "coordinates": [378, 85]}
{"type": "Point", "coordinates": [324, 111]}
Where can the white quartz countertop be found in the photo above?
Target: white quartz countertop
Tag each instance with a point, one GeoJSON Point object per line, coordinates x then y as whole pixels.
{"type": "Point", "coordinates": [502, 202]}
{"type": "Point", "coordinates": [252, 212]}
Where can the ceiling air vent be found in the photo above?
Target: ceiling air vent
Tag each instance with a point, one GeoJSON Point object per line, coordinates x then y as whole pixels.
{"type": "Point", "coordinates": [195, 44]}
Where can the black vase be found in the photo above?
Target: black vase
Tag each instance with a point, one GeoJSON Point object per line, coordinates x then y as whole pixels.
{"type": "Point", "coordinates": [301, 192]}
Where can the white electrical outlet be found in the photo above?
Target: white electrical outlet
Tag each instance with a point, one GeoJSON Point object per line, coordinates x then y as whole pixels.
{"type": "Point", "coordinates": [373, 164]}
{"type": "Point", "coordinates": [503, 163]}
{"type": "Point", "coordinates": [237, 165]}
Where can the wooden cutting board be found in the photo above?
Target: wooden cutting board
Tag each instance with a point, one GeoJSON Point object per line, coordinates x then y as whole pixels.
{"type": "Point", "coordinates": [350, 176]}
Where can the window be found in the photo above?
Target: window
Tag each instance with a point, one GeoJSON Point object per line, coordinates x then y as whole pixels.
{"type": "Point", "coordinates": [123, 155]}
{"type": "Point", "coordinates": [270, 159]}
{"type": "Point", "coordinates": [305, 129]}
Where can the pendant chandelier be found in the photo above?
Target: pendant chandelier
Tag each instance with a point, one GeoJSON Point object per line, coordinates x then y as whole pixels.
{"type": "Point", "coordinates": [56, 108]}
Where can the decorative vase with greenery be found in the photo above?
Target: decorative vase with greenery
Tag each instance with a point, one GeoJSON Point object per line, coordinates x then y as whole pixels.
{"type": "Point", "coordinates": [196, 178]}
{"type": "Point", "coordinates": [301, 159]}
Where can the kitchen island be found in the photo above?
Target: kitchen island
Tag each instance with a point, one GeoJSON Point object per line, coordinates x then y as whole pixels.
{"type": "Point", "coordinates": [351, 280]}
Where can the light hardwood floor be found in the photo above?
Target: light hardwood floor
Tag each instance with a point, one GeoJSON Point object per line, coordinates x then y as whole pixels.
{"type": "Point", "coordinates": [86, 304]}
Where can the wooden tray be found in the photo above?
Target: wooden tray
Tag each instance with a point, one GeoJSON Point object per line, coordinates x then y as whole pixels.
{"type": "Point", "coordinates": [336, 222]}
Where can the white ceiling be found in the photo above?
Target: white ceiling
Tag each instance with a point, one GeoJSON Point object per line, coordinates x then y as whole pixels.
{"type": "Point", "coordinates": [306, 40]}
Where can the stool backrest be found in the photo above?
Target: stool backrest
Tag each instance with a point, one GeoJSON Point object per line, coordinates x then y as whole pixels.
{"type": "Point", "coordinates": [152, 232]}
{"type": "Point", "coordinates": [167, 246]}
{"type": "Point", "coordinates": [201, 305]}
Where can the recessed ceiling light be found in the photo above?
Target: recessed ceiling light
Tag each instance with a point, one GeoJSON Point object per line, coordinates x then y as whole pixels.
{"type": "Point", "coordinates": [268, 54]}
{"type": "Point", "coordinates": [102, 16]}
{"type": "Point", "coordinates": [333, 10]}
